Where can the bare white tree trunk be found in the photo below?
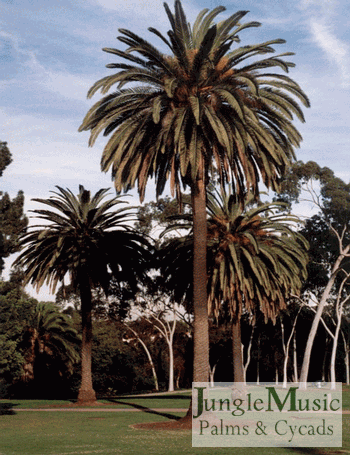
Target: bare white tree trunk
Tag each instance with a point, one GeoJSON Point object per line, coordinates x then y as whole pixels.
{"type": "Point", "coordinates": [166, 329]}
{"type": "Point", "coordinates": [344, 252]}
{"type": "Point", "coordinates": [156, 386]}
{"type": "Point", "coordinates": [246, 364]}
{"type": "Point", "coordinates": [285, 347]}
{"type": "Point", "coordinates": [346, 358]}
{"type": "Point", "coordinates": [339, 313]}
{"type": "Point", "coordinates": [295, 358]}
{"type": "Point", "coordinates": [211, 374]}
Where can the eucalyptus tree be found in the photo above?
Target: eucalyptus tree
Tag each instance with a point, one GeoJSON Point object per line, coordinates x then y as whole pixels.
{"type": "Point", "coordinates": [329, 234]}
{"type": "Point", "coordinates": [12, 218]}
{"type": "Point", "coordinates": [199, 108]}
{"type": "Point", "coordinates": [84, 237]}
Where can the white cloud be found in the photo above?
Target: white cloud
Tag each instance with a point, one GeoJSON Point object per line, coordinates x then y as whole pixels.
{"type": "Point", "coordinates": [335, 50]}
{"type": "Point", "coordinates": [323, 18]}
{"type": "Point", "coordinates": [32, 72]}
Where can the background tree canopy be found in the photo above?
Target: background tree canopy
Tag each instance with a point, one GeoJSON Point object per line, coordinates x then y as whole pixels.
{"type": "Point", "coordinates": [12, 219]}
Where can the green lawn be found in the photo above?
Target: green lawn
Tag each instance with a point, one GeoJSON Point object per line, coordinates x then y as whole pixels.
{"type": "Point", "coordinates": [176, 400]}
{"type": "Point", "coordinates": [63, 433]}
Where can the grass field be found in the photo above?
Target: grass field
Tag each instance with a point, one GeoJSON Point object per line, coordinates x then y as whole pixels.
{"type": "Point", "coordinates": [68, 433]}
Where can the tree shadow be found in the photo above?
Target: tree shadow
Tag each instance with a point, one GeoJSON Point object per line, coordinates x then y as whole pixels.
{"type": "Point", "coordinates": [152, 397]}
{"type": "Point", "coordinates": [146, 410]}
{"type": "Point", "coordinates": [317, 450]}
{"type": "Point", "coordinates": [7, 409]}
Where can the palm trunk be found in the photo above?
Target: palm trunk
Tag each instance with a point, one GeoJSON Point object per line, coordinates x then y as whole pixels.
{"type": "Point", "coordinates": [238, 373]}
{"type": "Point", "coordinates": [200, 300]}
{"type": "Point", "coordinates": [86, 391]}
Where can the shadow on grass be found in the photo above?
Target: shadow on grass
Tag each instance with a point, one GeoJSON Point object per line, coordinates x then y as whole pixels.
{"type": "Point", "coordinates": [146, 410]}
{"type": "Point", "coordinates": [317, 450]}
{"type": "Point", "coordinates": [7, 409]}
{"type": "Point", "coordinates": [154, 397]}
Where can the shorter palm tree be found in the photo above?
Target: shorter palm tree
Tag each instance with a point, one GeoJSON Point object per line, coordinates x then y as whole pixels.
{"type": "Point", "coordinates": [87, 238]}
{"type": "Point", "coordinates": [256, 262]}
{"type": "Point", "coordinates": [51, 334]}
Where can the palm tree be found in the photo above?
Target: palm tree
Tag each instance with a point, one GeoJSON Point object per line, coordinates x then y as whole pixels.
{"type": "Point", "coordinates": [49, 333]}
{"type": "Point", "coordinates": [84, 238]}
{"type": "Point", "coordinates": [200, 108]}
{"type": "Point", "coordinates": [256, 262]}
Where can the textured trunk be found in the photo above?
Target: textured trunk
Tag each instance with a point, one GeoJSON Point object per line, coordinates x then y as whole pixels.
{"type": "Point", "coordinates": [200, 300]}
{"type": "Point", "coordinates": [86, 391]}
{"type": "Point", "coordinates": [238, 373]}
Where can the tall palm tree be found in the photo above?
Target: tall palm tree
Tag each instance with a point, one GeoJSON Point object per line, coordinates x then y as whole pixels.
{"type": "Point", "coordinates": [49, 333]}
{"type": "Point", "coordinates": [85, 237]}
{"type": "Point", "coordinates": [256, 261]}
{"type": "Point", "coordinates": [200, 108]}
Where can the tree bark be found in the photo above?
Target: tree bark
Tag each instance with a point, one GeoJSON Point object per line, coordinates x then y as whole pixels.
{"type": "Point", "coordinates": [238, 373]}
{"type": "Point", "coordinates": [200, 299]}
{"type": "Point", "coordinates": [86, 391]}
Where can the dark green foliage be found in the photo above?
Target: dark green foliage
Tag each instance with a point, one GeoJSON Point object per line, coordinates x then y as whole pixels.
{"type": "Point", "coordinates": [12, 220]}
{"type": "Point", "coordinates": [119, 363]}
{"type": "Point", "coordinates": [158, 212]}
{"type": "Point", "coordinates": [38, 344]}
{"type": "Point", "coordinates": [5, 157]}
{"type": "Point", "coordinates": [333, 197]}
{"type": "Point", "coordinates": [114, 366]}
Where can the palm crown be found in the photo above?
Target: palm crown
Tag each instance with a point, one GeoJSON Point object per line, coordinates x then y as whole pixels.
{"type": "Point", "coordinates": [201, 106]}
{"type": "Point", "coordinates": [83, 236]}
{"type": "Point", "coordinates": [256, 259]}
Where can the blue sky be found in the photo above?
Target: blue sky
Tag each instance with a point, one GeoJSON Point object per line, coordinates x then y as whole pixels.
{"type": "Point", "coordinates": [50, 55]}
